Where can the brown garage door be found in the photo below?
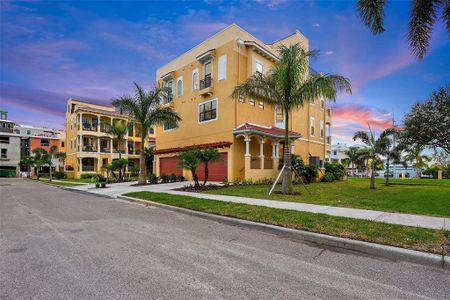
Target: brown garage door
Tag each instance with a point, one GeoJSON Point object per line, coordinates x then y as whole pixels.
{"type": "Point", "coordinates": [218, 171]}
{"type": "Point", "coordinates": [168, 165]}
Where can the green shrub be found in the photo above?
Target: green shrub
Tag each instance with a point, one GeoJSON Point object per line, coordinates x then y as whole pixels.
{"type": "Point", "coordinates": [88, 175]}
{"type": "Point", "coordinates": [338, 170]}
{"type": "Point", "coordinates": [59, 175]}
{"type": "Point", "coordinates": [152, 178]}
{"type": "Point", "coordinates": [165, 178]}
{"type": "Point", "coordinates": [328, 177]}
{"type": "Point", "coordinates": [101, 178]}
{"type": "Point", "coordinates": [180, 178]}
{"type": "Point", "coordinates": [172, 177]}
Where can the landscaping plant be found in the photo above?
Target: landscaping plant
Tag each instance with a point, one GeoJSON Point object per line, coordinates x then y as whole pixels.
{"type": "Point", "coordinates": [146, 110]}
{"type": "Point", "coordinates": [189, 160]}
{"type": "Point", "coordinates": [119, 131]}
{"type": "Point", "coordinates": [290, 85]}
{"type": "Point", "coordinates": [207, 156]}
{"type": "Point", "coordinates": [152, 178]}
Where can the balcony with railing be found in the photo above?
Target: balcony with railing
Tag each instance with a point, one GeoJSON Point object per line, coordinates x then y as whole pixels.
{"type": "Point", "coordinates": [328, 116]}
{"type": "Point", "coordinates": [206, 85]}
{"type": "Point", "coordinates": [89, 148]}
{"type": "Point", "coordinates": [329, 140]}
{"type": "Point", "coordinates": [89, 125]}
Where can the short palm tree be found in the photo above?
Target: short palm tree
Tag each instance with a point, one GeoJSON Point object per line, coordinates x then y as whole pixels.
{"type": "Point", "coordinates": [41, 158]}
{"type": "Point", "coordinates": [207, 156]}
{"type": "Point", "coordinates": [119, 131]}
{"type": "Point", "coordinates": [421, 22]}
{"type": "Point", "coordinates": [374, 149]}
{"type": "Point", "coordinates": [416, 158]}
{"type": "Point", "coordinates": [61, 156]}
{"type": "Point", "coordinates": [352, 157]}
{"type": "Point", "coordinates": [28, 162]}
{"type": "Point", "coordinates": [53, 151]}
{"type": "Point", "coordinates": [190, 160]}
{"type": "Point", "coordinates": [289, 84]}
{"type": "Point", "coordinates": [145, 109]}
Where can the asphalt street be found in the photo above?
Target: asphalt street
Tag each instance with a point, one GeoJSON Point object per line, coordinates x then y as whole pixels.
{"type": "Point", "coordinates": [57, 244]}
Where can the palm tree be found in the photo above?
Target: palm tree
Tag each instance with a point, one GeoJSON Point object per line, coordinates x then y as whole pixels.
{"type": "Point", "coordinates": [391, 153]}
{"type": "Point", "coordinates": [206, 156]}
{"type": "Point", "coordinates": [422, 19]}
{"type": "Point", "coordinates": [28, 162]}
{"type": "Point", "coordinates": [289, 84]}
{"type": "Point", "coordinates": [189, 160]}
{"type": "Point", "coordinates": [374, 149]}
{"type": "Point", "coordinates": [41, 158]}
{"type": "Point", "coordinates": [352, 157]}
{"type": "Point", "coordinates": [118, 130]}
{"type": "Point", "coordinates": [51, 153]}
{"type": "Point", "coordinates": [149, 157]}
{"type": "Point", "coordinates": [61, 156]}
{"type": "Point", "coordinates": [145, 109]}
{"type": "Point", "coordinates": [419, 161]}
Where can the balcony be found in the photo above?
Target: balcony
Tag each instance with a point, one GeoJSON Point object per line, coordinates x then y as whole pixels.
{"type": "Point", "coordinates": [329, 140]}
{"type": "Point", "coordinates": [89, 148]}
{"type": "Point", "coordinates": [206, 86]}
{"type": "Point", "coordinates": [104, 149]}
{"type": "Point", "coordinates": [90, 127]}
{"type": "Point", "coordinates": [328, 116]}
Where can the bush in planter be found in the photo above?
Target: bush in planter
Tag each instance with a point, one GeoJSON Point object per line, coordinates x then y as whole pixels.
{"type": "Point", "coordinates": [164, 178]}
{"type": "Point", "coordinates": [59, 175]}
{"type": "Point", "coordinates": [172, 177]}
{"type": "Point", "coordinates": [328, 177]}
{"type": "Point", "coordinates": [152, 178]}
{"type": "Point", "coordinates": [180, 178]}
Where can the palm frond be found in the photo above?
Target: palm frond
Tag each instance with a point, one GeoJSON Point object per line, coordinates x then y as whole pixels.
{"type": "Point", "coordinates": [446, 15]}
{"type": "Point", "coordinates": [258, 86]}
{"type": "Point", "coordinates": [422, 19]}
{"type": "Point", "coordinates": [372, 14]}
{"type": "Point", "coordinates": [363, 136]}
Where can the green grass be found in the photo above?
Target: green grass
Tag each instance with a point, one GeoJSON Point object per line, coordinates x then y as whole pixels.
{"type": "Point", "coordinates": [428, 240]}
{"type": "Point", "coordinates": [46, 181]}
{"type": "Point", "coordinates": [415, 196]}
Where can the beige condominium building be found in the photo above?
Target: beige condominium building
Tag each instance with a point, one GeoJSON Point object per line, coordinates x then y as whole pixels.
{"type": "Point", "coordinates": [88, 145]}
{"type": "Point", "coordinates": [247, 132]}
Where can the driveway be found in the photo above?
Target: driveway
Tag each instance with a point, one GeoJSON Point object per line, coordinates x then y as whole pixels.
{"type": "Point", "coordinates": [57, 244]}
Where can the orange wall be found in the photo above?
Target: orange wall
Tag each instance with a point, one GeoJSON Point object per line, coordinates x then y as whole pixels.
{"type": "Point", "coordinates": [35, 142]}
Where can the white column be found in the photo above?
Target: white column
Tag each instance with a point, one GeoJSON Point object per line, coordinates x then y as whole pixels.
{"type": "Point", "coordinates": [292, 147]}
{"type": "Point", "coordinates": [111, 145]}
{"type": "Point", "coordinates": [247, 146]}
{"type": "Point", "coordinates": [276, 150]}
{"type": "Point", "coordinates": [98, 144]}
{"type": "Point", "coordinates": [261, 148]}
{"type": "Point", "coordinates": [98, 124]}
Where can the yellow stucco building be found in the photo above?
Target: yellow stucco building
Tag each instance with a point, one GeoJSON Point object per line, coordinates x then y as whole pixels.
{"type": "Point", "coordinates": [247, 132]}
{"type": "Point", "coordinates": [89, 147]}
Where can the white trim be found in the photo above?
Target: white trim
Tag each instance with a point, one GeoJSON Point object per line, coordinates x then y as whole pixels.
{"type": "Point", "coordinates": [217, 111]}
{"type": "Point", "coordinates": [311, 141]}
{"type": "Point", "coordinates": [222, 59]}
{"type": "Point", "coordinates": [167, 130]}
{"type": "Point", "coordinates": [182, 86]}
{"type": "Point", "coordinates": [198, 79]}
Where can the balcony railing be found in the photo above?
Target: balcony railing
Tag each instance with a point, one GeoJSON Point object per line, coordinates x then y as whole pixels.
{"type": "Point", "coordinates": [328, 112]}
{"type": "Point", "coordinates": [105, 149]}
{"type": "Point", "coordinates": [115, 150]}
{"type": "Point", "coordinates": [87, 168]}
{"type": "Point", "coordinates": [268, 163]}
{"type": "Point", "coordinates": [206, 82]}
{"type": "Point", "coordinates": [89, 148]}
{"type": "Point", "coordinates": [89, 127]}
{"type": "Point", "coordinates": [255, 162]}
{"type": "Point", "coordinates": [103, 128]}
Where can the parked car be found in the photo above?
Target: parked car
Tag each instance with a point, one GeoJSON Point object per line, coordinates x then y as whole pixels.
{"type": "Point", "coordinates": [390, 174]}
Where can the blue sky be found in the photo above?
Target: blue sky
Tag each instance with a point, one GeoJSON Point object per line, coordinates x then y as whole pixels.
{"type": "Point", "coordinates": [93, 51]}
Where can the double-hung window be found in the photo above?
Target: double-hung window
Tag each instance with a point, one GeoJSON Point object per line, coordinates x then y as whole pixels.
{"type": "Point", "coordinates": [312, 126]}
{"type": "Point", "coordinates": [169, 126]}
{"type": "Point", "coordinates": [195, 80]}
{"type": "Point", "coordinates": [222, 69]}
{"type": "Point", "coordinates": [259, 67]}
{"type": "Point", "coordinates": [4, 153]}
{"type": "Point", "coordinates": [180, 86]}
{"type": "Point", "coordinates": [207, 111]}
{"type": "Point", "coordinates": [322, 130]}
{"type": "Point", "coordinates": [170, 91]}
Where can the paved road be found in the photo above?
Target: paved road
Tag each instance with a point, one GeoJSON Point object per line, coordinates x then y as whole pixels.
{"type": "Point", "coordinates": [56, 244]}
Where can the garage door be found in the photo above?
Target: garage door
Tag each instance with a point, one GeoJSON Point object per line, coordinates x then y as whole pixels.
{"type": "Point", "coordinates": [168, 165]}
{"type": "Point", "coordinates": [218, 171]}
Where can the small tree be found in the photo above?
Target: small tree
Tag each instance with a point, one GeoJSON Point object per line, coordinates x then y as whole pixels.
{"type": "Point", "coordinates": [41, 158]}
{"type": "Point", "coordinates": [189, 160]}
{"type": "Point", "coordinates": [61, 156]}
{"type": "Point", "coordinates": [52, 153]}
{"type": "Point", "coordinates": [374, 148]}
{"type": "Point", "coordinates": [117, 165]}
{"type": "Point", "coordinates": [149, 158]}
{"type": "Point", "coordinates": [28, 162]}
{"type": "Point", "coordinates": [206, 156]}
{"type": "Point", "coordinates": [352, 158]}
{"type": "Point", "coordinates": [416, 158]}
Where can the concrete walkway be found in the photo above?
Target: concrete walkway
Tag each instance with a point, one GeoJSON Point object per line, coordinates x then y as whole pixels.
{"type": "Point", "coordinates": [117, 189]}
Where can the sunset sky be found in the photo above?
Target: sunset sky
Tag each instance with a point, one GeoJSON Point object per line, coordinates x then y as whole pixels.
{"type": "Point", "coordinates": [93, 51]}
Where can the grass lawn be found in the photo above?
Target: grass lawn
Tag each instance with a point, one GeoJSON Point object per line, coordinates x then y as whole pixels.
{"type": "Point", "coordinates": [428, 240]}
{"type": "Point", "coordinates": [46, 181]}
{"type": "Point", "coordinates": [415, 196]}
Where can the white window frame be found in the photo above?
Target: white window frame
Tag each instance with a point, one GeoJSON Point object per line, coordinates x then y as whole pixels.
{"type": "Point", "coordinates": [195, 85]}
{"type": "Point", "coordinates": [252, 102]}
{"type": "Point", "coordinates": [261, 104]}
{"type": "Point", "coordinates": [224, 71]}
{"type": "Point", "coordinates": [204, 68]}
{"type": "Point", "coordinates": [258, 62]}
{"type": "Point", "coordinates": [312, 125]}
{"type": "Point", "coordinates": [170, 91]}
{"type": "Point", "coordinates": [241, 99]}
{"type": "Point", "coordinates": [322, 130]}
{"type": "Point", "coordinates": [167, 130]}
{"type": "Point", "coordinates": [178, 92]}
{"type": "Point", "coordinates": [217, 111]}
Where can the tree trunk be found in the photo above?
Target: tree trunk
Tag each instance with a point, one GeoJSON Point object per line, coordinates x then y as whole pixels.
{"type": "Point", "coordinates": [121, 175]}
{"type": "Point", "coordinates": [387, 170]}
{"type": "Point", "coordinates": [372, 177]}
{"type": "Point", "coordinates": [37, 173]}
{"type": "Point", "coordinates": [142, 166]}
{"type": "Point", "coordinates": [206, 173]}
{"type": "Point", "coordinates": [286, 186]}
{"type": "Point", "coordinates": [50, 172]}
{"type": "Point", "coordinates": [195, 177]}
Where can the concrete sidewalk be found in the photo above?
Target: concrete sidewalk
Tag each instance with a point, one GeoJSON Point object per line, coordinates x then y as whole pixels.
{"type": "Point", "coordinates": [118, 189]}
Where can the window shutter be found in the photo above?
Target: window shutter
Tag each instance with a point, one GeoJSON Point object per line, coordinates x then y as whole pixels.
{"type": "Point", "coordinates": [222, 67]}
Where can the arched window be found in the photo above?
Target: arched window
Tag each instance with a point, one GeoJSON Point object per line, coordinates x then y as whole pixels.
{"type": "Point", "coordinates": [180, 87]}
{"type": "Point", "coordinates": [195, 80]}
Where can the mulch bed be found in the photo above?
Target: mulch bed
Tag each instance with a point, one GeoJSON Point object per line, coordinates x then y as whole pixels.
{"type": "Point", "coordinates": [202, 188]}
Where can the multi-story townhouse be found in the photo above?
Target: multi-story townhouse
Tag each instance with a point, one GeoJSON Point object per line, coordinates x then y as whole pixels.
{"type": "Point", "coordinates": [9, 147]}
{"type": "Point", "coordinates": [88, 145]}
{"type": "Point", "coordinates": [248, 132]}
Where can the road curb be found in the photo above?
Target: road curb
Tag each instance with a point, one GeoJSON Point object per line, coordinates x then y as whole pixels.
{"type": "Point", "coordinates": [390, 252]}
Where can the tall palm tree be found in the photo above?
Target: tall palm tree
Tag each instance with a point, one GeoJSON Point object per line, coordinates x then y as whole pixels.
{"type": "Point", "coordinates": [422, 19]}
{"type": "Point", "coordinates": [374, 148]}
{"type": "Point", "coordinates": [419, 161]}
{"type": "Point", "coordinates": [392, 153]}
{"type": "Point", "coordinates": [146, 110]}
{"type": "Point", "coordinates": [119, 131]}
{"type": "Point", "coordinates": [289, 84]}
{"type": "Point", "coordinates": [353, 158]}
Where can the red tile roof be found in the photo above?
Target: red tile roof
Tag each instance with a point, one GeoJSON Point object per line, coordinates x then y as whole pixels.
{"type": "Point", "coordinates": [264, 130]}
{"type": "Point", "coordinates": [199, 146]}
